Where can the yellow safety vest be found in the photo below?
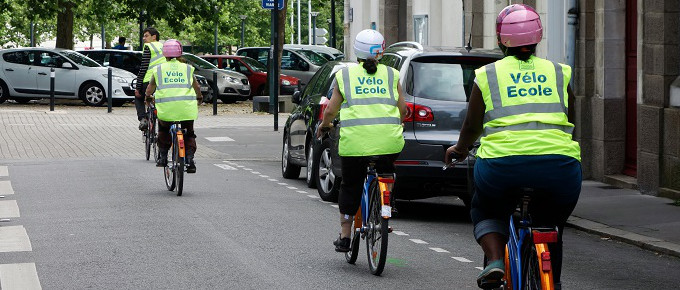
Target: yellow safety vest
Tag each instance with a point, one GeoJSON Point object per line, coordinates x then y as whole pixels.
{"type": "Point", "coordinates": [526, 109]}
{"type": "Point", "coordinates": [370, 122]}
{"type": "Point", "coordinates": [175, 96]}
{"type": "Point", "coordinates": [156, 50]}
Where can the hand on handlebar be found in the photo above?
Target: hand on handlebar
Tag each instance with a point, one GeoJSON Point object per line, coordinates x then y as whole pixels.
{"type": "Point", "coordinates": [322, 130]}
{"type": "Point", "coordinates": [455, 154]}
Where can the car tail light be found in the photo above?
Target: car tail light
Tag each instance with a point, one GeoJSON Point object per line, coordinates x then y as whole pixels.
{"type": "Point", "coordinates": [322, 107]}
{"type": "Point", "coordinates": [418, 113]}
{"type": "Point", "coordinates": [544, 237]}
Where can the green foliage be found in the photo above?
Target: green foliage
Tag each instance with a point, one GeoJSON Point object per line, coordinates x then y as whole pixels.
{"type": "Point", "coordinates": [190, 21]}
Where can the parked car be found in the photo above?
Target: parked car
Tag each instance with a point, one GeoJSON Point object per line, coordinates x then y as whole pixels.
{"type": "Point", "coordinates": [327, 52]}
{"type": "Point", "coordinates": [293, 62]}
{"type": "Point", "coordinates": [256, 73]}
{"type": "Point", "coordinates": [131, 61]}
{"type": "Point", "coordinates": [436, 82]}
{"type": "Point", "coordinates": [233, 86]}
{"type": "Point", "coordinates": [25, 75]}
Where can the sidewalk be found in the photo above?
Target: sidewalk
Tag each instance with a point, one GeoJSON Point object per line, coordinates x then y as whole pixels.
{"type": "Point", "coordinates": [626, 215]}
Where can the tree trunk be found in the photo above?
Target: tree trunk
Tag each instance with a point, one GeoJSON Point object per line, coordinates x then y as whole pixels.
{"type": "Point", "coordinates": [65, 24]}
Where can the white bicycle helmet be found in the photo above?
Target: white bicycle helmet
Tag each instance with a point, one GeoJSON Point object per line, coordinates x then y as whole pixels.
{"type": "Point", "coordinates": [369, 44]}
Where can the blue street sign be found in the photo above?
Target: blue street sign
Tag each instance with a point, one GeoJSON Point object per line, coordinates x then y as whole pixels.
{"type": "Point", "coordinates": [269, 4]}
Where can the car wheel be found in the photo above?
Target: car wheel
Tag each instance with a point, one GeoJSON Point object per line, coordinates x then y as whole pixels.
{"type": "Point", "coordinates": [4, 92]}
{"type": "Point", "coordinates": [312, 167]}
{"type": "Point", "coordinates": [207, 98]}
{"type": "Point", "coordinates": [327, 183]}
{"type": "Point", "coordinates": [93, 94]}
{"type": "Point", "coordinates": [288, 170]}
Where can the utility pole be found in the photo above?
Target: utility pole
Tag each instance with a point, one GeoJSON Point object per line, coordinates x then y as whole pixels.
{"type": "Point", "coordinates": [332, 30]}
{"type": "Point", "coordinates": [299, 26]}
{"type": "Point", "coordinates": [217, 22]}
{"type": "Point", "coordinates": [314, 15]}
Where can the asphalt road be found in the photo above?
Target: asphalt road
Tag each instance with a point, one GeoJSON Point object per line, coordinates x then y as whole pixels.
{"type": "Point", "coordinates": [108, 222]}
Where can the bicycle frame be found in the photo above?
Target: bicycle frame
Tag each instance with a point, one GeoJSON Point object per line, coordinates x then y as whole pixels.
{"type": "Point", "coordinates": [178, 137]}
{"type": "Point", "coordinates": [386, 211]}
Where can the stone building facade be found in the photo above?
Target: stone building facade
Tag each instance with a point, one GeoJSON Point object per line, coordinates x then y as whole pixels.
{"type": "Point", "coordinates": [626, 60]}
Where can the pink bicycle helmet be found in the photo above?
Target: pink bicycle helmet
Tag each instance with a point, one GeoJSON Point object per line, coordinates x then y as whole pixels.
{"type": "Point", "coordinates": [518, 25]}
{"type": "Point", "coordinates": [172, 48]}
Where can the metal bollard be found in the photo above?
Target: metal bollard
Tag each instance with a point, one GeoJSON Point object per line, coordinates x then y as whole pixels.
{"type": "Point", "coordinates": [215, 93]}
{"type": "Point", "coordinates": [51, 89]}
{"type": "Point", "coordinates": [109, 92]}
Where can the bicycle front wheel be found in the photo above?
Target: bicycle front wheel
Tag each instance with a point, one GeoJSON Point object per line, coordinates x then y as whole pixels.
{"type": "Point", "coordinates": [170, 172]}
{"type": "Point", "coordinates": [377, 230]}
{"type": "Point", "coordinates": [147, 144]}
{"type": "Point", "coordinates": [180, 175]}
{"type": "Point", "coordinates": [533, 276]}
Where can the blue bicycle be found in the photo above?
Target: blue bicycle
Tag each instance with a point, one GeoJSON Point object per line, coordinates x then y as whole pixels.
{"type": "Point", "coordinates": [371, 221]}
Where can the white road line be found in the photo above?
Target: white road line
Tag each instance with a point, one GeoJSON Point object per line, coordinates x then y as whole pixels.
{"type": "Point", "coordinates": [461, 259]}
{"type": "Point", "coordinates": [313, 196]}
{"type": "Point", "coordinates": [240, 166]}
{"type": "Point", "coordinates": [14, 239]}
{"type": "Point", "coordinates": [219, 139]}
{"type": "Point", "coordinates": [272, 179]}
{"type": "Point", "coordinates": [9, 209]}
{"type": "Point", "coordinates": [439, 250]}
{"type": "Point", "coordinates": [19, 276]}
{"type": "Point", "coordinates": [335, 205]}
{"type": "Point", "coordinates": [245, 168]}
{"type": "Point", "coordinates": [292, 187]}
{"type": "Point", "coordinates": [254, 172]}
{"type": "Point", "coordinates": [20, 124]}
{"type": "Point", "coordinates": [417, 241]}
{"type": "Point", "coordinates": [301, 191]}
{"type": "Point", "coordinates": [324, 201]}
{"type": "Point", "coordinates": [4, 171]}
{"type": "Point", "coordinates": [282, 183]}
{"type": "Point", "coordinates": [265, 176]}
{"type": "Point", "coordinates": [479, 268]}
{"type": "Point", "coordinates": [225, 167]}
{"type": "Point", "coordinates": [399, 233]}
{"type": "Point", "coordinates": [6, 187]}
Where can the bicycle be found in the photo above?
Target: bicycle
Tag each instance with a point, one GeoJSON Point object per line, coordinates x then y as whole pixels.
{"type": "Point", "coordinates": [174, 169]}
{"type": "Point", "coordinates": [371, 222]}
{"type": "Point", "coordinates": [527, 258]}
{"type": "Point", "coordinates": [151, 132]}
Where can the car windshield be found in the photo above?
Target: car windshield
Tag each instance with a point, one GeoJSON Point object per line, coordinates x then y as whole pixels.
{"type": "Point", "coordinates": [442, 81]}
{"type": "Point", "coordinates": [199, 62]}
{"type": "Point", "coordinates": [79, 58]}
{"type": "Point", "coordinates": [314, 57]}
{"type": "Point", "coordinates": [255, 65]}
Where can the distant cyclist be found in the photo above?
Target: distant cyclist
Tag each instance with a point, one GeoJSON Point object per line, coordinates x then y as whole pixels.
{"type": "Point", "coordinates": [177, 97]}
{"type": "Point", "coordinates": [151, 57]}
{"type": "Point", "coordinates": [522, 107]}
{"type": "Point", "coordinates": [371, 115]}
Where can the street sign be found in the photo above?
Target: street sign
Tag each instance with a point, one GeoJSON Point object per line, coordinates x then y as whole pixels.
{"type": "Point", "coordinates": [320, 33]}
{"type": "Point", "coordinates": [269, 4]}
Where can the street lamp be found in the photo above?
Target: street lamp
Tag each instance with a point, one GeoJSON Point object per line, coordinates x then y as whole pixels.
{"type": "Point", "coordinates": [314, 15]}
{"type": "Point", "coordinates": [142, 14]}
{"type": "Point", "coordinates": [217, 21]}
{"type": "Point", "coordinates": [243, 27]}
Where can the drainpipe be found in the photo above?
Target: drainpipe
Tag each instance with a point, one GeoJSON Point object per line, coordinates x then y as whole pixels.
{"type": "Point", "coordinates": [572, 29]}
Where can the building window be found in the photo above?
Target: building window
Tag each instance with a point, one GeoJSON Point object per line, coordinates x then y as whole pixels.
{"type": "Point", "coordinates": [420, 27]}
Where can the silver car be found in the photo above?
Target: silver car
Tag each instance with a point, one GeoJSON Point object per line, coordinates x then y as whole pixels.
{"type": "Point", "coordinates": [25, 75]}
{"type": "Point", "coordinates": [232, 86]}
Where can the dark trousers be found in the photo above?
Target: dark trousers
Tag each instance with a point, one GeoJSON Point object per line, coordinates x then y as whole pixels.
{"type": "Point", "coordinates": [557, 179]}
{"type": "Point", "coordinates": [139, 103]}
{"type": "Point", "coordinates": [353, 177]}
{"type": "Point", "coordinates": [165, 140]}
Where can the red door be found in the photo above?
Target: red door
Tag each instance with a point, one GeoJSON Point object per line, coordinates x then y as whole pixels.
{"type": "Point", "coordinates": [631, 89]}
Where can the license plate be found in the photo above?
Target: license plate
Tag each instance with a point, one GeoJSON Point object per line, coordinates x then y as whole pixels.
{"type": "Point", "coordinates": [246, 87]}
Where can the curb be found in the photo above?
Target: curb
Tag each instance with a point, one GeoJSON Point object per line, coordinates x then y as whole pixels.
{"type": "Point", "coordinates": [645, 242]}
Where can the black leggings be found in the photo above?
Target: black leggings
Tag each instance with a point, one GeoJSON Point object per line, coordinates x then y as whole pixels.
{"type": "Point", "coordinates": [353, 177]}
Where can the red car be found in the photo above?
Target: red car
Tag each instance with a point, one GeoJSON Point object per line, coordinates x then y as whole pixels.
{"type": "Point", "coordinates": [255, 71]}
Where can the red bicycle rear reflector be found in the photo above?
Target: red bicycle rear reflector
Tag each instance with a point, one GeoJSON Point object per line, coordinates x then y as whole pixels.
{"type": "Point", "coordinates": [546, 265]}
{"type": "Point", "coordinates": [386, 197]}
{"type": "Point", "coordinates": [544, 237]}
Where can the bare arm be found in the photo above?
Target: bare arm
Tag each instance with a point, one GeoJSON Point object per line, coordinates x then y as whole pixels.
{"type": "Point", "coordinates": [401, 104]}
{"type": "Point", "coordinates": [197, 89]}
{"type": "Point", "coordinates": [333, 108]}
{"type": "Point", "coordinates": [472, 126]}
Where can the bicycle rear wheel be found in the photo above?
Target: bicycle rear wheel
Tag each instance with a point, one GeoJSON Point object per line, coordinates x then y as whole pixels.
{"type": "Point", "coordinates": [353, 253]}
{"type": "Point", "coordinates": [154, 137]}
{"type": "Point", "coordinates": [147, 144]}
{"type": "Point", "coordinates": [170, 171]}
{"type": "Point", "coordinates": [376, 232]}
{"type": "Point", "coordinates": [533, 276]}
{"type": "Point", "coordinates": [180, 175]}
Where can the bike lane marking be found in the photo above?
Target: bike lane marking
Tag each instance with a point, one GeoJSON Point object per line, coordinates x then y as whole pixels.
{"type": "Point", "coordinates": [4, 171]}
{"type": "Point", "coordinates": [6, 187]}
{"type": "Point", "coordinates": [9, 209]}
{"type": "Point", "coordinates": [417, 241]}
{"type": "Point", "coordinates": [19, 276]}
{"type": "Point", "coordinates": [225, 167]}
{"type": "Point", "coordinates": [219, 139]}
{"type": "Point", "coordinates": [439, 250]}
{"type": "Point", "coordinates": [400, 233]}
{"type": "Point", "coordinates": [14, 239]}
{"type": "Point", "coordinates": [462, 259]}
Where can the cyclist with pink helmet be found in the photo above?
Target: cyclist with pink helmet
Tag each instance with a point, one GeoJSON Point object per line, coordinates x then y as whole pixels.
{"type": "Point", "coordinates": [177, 97]}
{"type": "Point", "coordinates": [522, 107]}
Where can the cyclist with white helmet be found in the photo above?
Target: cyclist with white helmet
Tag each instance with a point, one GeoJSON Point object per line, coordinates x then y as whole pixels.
{"type": "Point", "coordinates": [371, 118]}
{"type": "Point", "coordinates": [523, 109]}
{"type": "Point", "coordinates": [177, 97]}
